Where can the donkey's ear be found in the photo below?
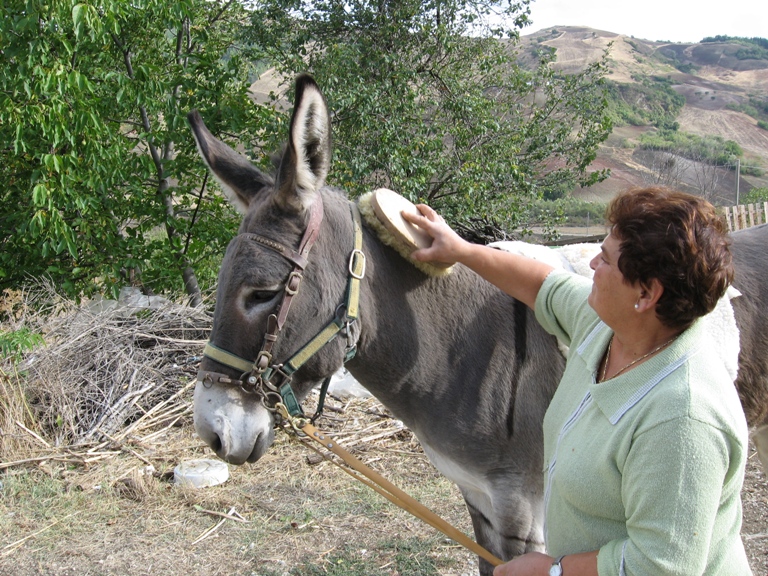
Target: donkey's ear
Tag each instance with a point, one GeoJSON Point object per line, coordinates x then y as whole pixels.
{"type": "Point", "coordinates": [240, 180]}
{"type": "Point", "coordinates": [307, 157]}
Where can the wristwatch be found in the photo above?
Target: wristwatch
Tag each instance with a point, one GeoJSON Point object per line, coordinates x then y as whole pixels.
{"type": "Point", "coordinates": [556, 569]}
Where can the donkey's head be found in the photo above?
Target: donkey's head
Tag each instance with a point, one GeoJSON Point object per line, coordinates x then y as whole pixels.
{"type": "Point", "coordinates": [268, 269]}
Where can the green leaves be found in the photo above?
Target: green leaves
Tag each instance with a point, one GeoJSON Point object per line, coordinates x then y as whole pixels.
{"type": "Point", "coordinates": [101, 181]}
{"type": "Point", "coordinates": [14, 343]}
{"type": "Point", "coordinates": [40, 195]}
{"type": "Point", "coordinates": [93, 97]}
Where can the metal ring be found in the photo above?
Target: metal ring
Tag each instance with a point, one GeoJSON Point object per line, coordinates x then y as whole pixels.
{"type": "Point", "coordinates": [353, 261]}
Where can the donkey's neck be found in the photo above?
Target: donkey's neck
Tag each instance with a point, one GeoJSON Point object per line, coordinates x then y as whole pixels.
{"type": "Point", "coordinates": [432, 338]}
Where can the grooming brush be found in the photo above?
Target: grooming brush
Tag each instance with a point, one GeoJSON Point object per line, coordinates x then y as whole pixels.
{"type": "Point", "coordinates": [382, 210]}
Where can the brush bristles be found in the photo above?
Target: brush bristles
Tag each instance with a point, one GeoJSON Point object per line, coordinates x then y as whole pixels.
{"type": "Point", "coordinates": [369, 215]}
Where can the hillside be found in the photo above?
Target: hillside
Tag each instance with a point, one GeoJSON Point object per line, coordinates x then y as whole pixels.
{"type": "Point", "coordinates": [713, 77]}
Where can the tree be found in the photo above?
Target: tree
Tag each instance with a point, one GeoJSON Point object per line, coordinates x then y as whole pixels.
{"type": "Point", "coordinates": [101, 183]}
{"type": "Point", "coordinates": [707, 177]}
{"type": "Point", "coordinates": [699, 163]}
{"type": "Point", "coordinates": [665, 169]}
{"type": "Point", "coordinates": [433, 100]}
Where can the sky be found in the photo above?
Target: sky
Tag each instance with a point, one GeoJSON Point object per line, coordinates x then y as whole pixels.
{"type": "Point", "coordinates": [674, 20]}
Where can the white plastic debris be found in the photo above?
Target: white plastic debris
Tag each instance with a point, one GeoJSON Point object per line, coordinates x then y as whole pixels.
{"type": "Point", "coordinates": [344, 384]}
{"type": "Point", "coordinates": [201, 473]}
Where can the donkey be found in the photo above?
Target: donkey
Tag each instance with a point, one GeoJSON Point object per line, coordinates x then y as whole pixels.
{"type": "Point", "coordinates": [467, 368]}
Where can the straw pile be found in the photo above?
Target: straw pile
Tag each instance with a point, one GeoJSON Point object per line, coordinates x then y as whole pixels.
{"type": "Point", "coordinates": [116, 377]}
{"type": "Point", "coordinates": [107, 370]}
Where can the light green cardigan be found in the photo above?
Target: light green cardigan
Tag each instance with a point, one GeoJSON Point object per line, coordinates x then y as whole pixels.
{"type": "Point", "coordinates": [647, 467]}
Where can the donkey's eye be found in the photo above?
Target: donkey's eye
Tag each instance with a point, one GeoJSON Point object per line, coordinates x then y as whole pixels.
{"type": "Point", "coordinates": [254, 297]}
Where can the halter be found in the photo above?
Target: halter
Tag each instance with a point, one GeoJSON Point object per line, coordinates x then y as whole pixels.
{"type": "Point", "coordinates": [257, 375]}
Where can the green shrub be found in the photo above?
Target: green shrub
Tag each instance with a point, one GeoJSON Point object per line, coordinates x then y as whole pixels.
{"type": "Point", "coordinates": [756, 195]}
{"type": "Point", "coordinates": [712, 149]}
{"type": "Point", "coordinates": [569, 210]}
{"type": "Point", "coordinates": [13, 344]}
{"type": "Point", "coordinates": [754, 41]}
{"type": "Point", "coordinates": [649, 102]}
{"type": "Point", "coordinates": [687, 68]}
{"type": "Point", "coordinates": [752, 53]}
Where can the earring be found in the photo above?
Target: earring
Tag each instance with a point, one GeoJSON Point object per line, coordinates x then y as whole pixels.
{"type": "Point", "coordinates": [637, 305]}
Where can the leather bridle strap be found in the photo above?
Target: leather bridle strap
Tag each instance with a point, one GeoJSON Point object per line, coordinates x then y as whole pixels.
{"type": "Point", "coordinates": [345, 315]}
{"type": "Point", "coordinates": [275, 322]}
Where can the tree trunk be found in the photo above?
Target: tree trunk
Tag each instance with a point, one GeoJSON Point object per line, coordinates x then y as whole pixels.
{"type": "Point", "coordinates": [192, 287]}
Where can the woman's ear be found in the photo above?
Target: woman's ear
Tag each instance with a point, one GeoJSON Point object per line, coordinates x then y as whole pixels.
{"type": "Point", "coordinates": [649, 295]}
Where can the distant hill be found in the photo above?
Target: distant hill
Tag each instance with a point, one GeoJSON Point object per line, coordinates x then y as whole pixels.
{"type": "Point", "coordinates": [719, 81]}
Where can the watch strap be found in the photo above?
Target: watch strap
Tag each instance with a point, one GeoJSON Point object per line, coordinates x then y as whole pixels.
{"type": "Point", "coordinates": [557, 568]}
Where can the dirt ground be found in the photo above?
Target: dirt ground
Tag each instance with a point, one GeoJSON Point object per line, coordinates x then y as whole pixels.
{"type": "Point", "coordinates": [285, 515]}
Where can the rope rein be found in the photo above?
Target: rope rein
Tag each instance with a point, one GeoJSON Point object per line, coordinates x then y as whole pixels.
{"type": "Point", "coordinates": [306, 431]}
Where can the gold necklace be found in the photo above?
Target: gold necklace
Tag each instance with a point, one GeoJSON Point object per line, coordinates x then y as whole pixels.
{"type": "Point", "coordinates": [643, 357]}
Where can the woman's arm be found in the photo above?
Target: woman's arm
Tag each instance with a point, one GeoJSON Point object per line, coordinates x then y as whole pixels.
{"type": "Point", "coordinates": [519, 276]}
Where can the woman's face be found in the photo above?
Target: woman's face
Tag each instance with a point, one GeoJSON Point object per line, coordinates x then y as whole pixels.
{"type": "Point", "coordinates": [611, 297]}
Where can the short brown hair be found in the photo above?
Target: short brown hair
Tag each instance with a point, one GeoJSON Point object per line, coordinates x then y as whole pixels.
{"type": "Point", "coordinates": [680, 240]}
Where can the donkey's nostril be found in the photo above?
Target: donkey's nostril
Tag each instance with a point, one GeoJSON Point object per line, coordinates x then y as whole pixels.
{"type": "Point", "coordinates": [216, 444]}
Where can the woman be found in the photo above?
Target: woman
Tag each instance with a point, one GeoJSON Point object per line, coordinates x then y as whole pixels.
{"type": "Point", "coordinates": [645, 438]}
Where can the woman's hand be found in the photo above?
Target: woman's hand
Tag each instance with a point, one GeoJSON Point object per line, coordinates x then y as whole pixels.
{"type": "Point", "coordinates": [531, 564]}
{"type": "Point", "coordinates": [447, 246]}
{"type": "Point", "coordinates": [517, 275]}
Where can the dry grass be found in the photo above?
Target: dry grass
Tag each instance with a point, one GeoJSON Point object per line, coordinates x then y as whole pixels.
{"type": "Point", "coordinates": [94, 422]}
{"type": "Point", "coordinates": [287, 514]}
{"type": "Point", "coordinates": [103, 374]}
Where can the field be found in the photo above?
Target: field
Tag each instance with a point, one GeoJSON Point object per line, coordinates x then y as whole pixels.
{"type": "Point", "coordinates": [708, 91]}
{"type": "Point", "coordinates": [291, 513]}
{"type": "Point", "coordinates": [287, 514]}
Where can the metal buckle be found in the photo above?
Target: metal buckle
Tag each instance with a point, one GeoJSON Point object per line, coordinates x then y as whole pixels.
{"type": "Point", "coordinates": [340, 315]}
{"type": "Point", "coordinates": [296, 422]}
{"type": "Point", "coordinates": [276, 371]}
{"type": "Point", "coordinates": [353, 262]}
{"type": "Point", "coordinates": [293, 282]}
{"type": "Point", "coordinates": [262, 362]}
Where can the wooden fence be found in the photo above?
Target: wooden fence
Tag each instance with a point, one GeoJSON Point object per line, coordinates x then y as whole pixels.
{"type": "Point", "coordinates": [746, 216]}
